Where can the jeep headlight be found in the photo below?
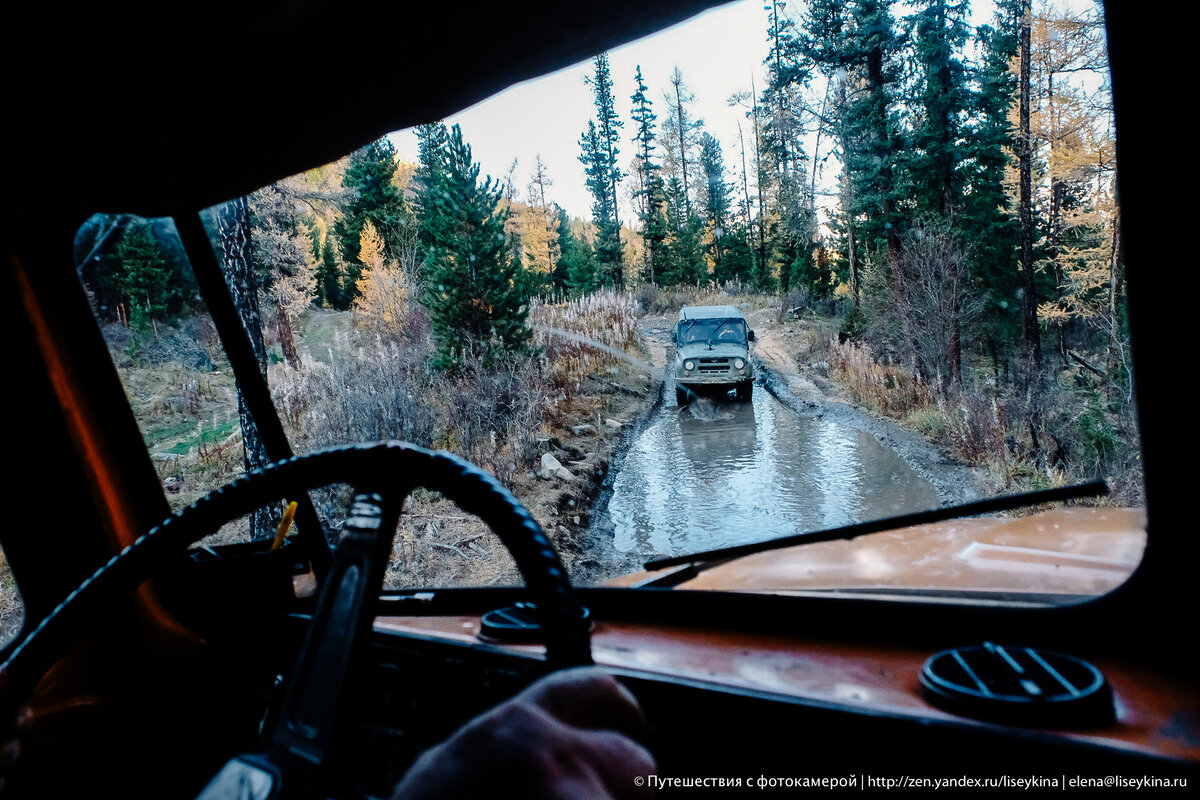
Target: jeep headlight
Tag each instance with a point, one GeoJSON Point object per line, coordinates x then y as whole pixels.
{"type": "Point", "coordinates": [739, 364]}
{"type": "Point", "coordinates": [689, 365]}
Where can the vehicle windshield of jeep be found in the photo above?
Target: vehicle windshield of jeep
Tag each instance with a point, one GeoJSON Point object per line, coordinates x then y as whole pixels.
{"type": "Point", "coordinates": [709, 331]}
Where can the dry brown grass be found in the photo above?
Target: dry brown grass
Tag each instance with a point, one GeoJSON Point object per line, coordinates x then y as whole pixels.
{"type": "Point", "coordinates": [12, 608]}
{"type": "Point", "coordinates": [886, 388]}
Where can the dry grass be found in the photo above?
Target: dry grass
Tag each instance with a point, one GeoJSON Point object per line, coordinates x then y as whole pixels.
{"type": "Point", "coordinates": [886, 388]}
{"type": "Point", "coordinates": [580, 336]}
{"type": "Point", "coordinates": [985, 424]}
{"type": "Point", "coordinates": [12, 608]}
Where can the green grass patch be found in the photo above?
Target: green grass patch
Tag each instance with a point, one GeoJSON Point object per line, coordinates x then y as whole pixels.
{"type": "Point", "coordinates": [209, 436]}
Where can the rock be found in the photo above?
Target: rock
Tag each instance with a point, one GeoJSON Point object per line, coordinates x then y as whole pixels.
{"type": "Point", "coordinates": [552, 468]}
{"type": "Point", "coordinates": [614, 370]}
{"type": "Point", "coordinates": [580, 429]}
{"type": "Point", "coordinates": [614, 423]}
{"type": "Point", "coordinates": [745, 305]}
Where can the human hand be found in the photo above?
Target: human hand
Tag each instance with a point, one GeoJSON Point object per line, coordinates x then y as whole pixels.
{"type": "Point", "coordinates": [567, 736]}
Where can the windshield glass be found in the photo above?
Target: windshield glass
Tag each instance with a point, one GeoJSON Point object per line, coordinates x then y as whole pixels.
{"type": "Point", "coordinates": [927, 311]}
{"type": "Point", "coordinates": [710, 331]}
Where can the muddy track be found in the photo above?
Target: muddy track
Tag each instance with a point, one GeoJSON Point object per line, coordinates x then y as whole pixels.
{"type": "Point", "coordinates": [806, 395]}
{"type": "Point", "coordinates": [815, 396]}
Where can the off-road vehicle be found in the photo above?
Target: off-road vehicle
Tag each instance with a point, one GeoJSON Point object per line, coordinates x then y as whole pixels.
{"type": "Point", "coordinates": [712, 352]}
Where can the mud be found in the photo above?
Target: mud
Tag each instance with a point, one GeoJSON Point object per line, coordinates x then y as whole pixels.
{"type": "Point", "coordinates": [802, 391]}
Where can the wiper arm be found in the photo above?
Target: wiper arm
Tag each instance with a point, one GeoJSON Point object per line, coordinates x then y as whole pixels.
{"type": "Point", "coordinates": [709, 558]}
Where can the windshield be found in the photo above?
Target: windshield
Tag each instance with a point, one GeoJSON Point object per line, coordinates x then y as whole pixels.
{"type": "Point", "coordinates": [712, 331]}
{"type": "Point", "coordinates": [928, 311]}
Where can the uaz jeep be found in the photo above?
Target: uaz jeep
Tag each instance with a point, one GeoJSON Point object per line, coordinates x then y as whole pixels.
{"type": "Point", "coordinates": [712, 351]}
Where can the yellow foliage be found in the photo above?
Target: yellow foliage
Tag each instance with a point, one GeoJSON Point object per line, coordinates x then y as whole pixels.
{"type": "Point", "coordinates": [383, 288]}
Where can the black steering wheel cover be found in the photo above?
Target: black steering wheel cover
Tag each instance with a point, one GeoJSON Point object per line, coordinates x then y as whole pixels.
{"type": "Point", "coordinates": [382, 467]}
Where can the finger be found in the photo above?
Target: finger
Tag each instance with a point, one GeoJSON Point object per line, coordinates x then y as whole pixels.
{"type": "Point", "coordinates": [621, 763]}
{"type": "Point", "coordinates": [588, 697]}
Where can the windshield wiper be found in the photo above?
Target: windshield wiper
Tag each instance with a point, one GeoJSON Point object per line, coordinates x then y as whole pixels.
{"type": "Point", "coordinates": [710, 558]}
{"type": "Point", "coordinates": [716, 330]}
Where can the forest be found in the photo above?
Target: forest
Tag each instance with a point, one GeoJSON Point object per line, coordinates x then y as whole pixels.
{"type": "Point", "coordinates": [935, 195]}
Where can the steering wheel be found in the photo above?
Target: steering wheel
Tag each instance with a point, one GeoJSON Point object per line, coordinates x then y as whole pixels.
{"type": "Point", "coordinates": [383, 474]}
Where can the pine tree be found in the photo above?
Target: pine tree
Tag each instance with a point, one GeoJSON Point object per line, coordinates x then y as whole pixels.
{"type": "Point", "coordinates": [143, 277]}
{"type": "Point", "coordinates": [599, 157]}
{"type": "Point", "coordinates": [329, 274]}
{"type": "Point", "coordinates": [374, 196]}
{"type": "Point", "coordinates": [716, 200]}
{"type": "Point", "coordinates": [987, 218]}
{"type": "Point", "coordinates": [934, 155]}
{"type": "Point", "coordinates": [474, 290]}
{"type": "Point", "coordinates": [650, 194]}
{"type": "Point", "coordinates": [575, 271]}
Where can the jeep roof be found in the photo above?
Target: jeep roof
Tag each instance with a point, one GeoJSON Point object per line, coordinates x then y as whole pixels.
{"type": "Point", "coordinates": [708, 312]}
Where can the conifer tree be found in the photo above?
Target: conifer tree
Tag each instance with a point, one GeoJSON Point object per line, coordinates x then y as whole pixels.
{"type": "Point", "coordinates": [575, 271]}
{"type": "Point", "coordinates": [599, 157]}
{"type": "Point", "coordinates": [329, 273]}
{"type": "Point", "coordinates": [987, 218]}
{"type": "Point", "coordinates": [373, 196]}
{"type": "Point", "coordinates": [716, 200]}
{"type": "Point", "coordinates": [475, 291]}
{"type": "Point", "coordinates": [650, 194]}
{"type": "Point", "coordinates": [143, 277]}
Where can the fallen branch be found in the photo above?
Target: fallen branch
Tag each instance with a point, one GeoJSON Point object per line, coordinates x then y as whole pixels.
{"type": "Point", "coordinates": [1086, 365]}
{"type": "Point", "coordinates": [453, 549]}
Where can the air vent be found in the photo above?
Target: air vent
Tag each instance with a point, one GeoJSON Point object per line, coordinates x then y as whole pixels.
{"type": "Point", "coordinates": [1018, 685]}
{"type": "Point", "coordinates": [517, 624]}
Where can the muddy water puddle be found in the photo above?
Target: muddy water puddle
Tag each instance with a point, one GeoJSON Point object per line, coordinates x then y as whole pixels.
{"type": "Point", "coordinates": [720, 472]}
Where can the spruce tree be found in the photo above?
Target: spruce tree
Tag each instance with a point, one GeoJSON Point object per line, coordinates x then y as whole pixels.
{"type": "Point", "coordinates": [650, 194]}
{"type": "Point", "coordinates": [987, 218]}
{"type": "Point", "coordinates": [474, 288]}
{"type": "Point", "coordinates": [373, 196]}
{"type": "Point", "coordinates": [143, 277]}
{"type": "Point", "coordinates": [716, 200]}
{"type": "Point", "coordinates": [599, 157]}
{"type": "Point", "coordinates": [575, 271]}
{"type": "Point", "coordinates": [329, 276]}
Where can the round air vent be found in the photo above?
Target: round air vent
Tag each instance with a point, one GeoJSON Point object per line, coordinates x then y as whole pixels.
{"type": "Point", "coordinates": [516, 624]}
{"type": "Point", "coordinates": [1018, 685]}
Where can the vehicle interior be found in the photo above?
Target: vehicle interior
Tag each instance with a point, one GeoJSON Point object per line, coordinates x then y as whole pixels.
{"type": "Point", "coordinates": [150, 664]}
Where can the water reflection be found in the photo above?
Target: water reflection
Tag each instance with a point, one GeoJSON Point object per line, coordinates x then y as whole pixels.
{"type": "Point", "coordinates": [721, 472]}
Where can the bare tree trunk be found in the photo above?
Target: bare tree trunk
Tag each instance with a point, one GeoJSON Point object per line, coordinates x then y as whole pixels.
{"type": "Point", "coordinates": [287, 340]}
{"type": "Point", "coordinates": [888, 206]}
{"type": "Point", "coordinates": [1025, 155]}
{"type": "Point", "coordinates": [1033, 343]}
{"type": "Point", "coordinates": [762, 222]}
{"type": "Point", "coordinates": [677, 80]}
{"type": "Point", "coordinates": [853, 262]}
{"type": "Point", "coordinates": [233, 222]}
